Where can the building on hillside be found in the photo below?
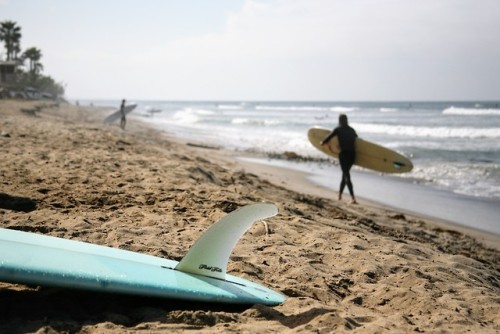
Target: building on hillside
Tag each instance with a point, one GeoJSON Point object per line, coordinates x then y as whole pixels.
{"type": "Point", "coordinates": [8, 72]}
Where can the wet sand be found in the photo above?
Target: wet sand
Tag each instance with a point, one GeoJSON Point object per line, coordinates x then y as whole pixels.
{"type": "Point", "coordinates": [343, 267]}
{"type": "Point", "coordinates": [472, 214]}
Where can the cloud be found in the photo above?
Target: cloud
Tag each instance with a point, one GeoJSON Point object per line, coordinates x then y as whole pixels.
{"type": "Point", "coordinates": [321, 49]}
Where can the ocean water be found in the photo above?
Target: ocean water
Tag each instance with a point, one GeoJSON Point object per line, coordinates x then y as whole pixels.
{"type": "Point", "coordinates": [454, 146]}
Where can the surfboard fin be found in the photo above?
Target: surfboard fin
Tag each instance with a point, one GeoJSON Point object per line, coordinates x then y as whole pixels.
{"type": "Point", "coordinates": [209, 255]}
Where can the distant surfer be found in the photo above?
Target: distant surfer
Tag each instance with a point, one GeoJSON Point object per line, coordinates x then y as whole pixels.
{"type": "Point", "coordinates": [346, 137]}
{"type": "Point", "coordinates": [123, 121]}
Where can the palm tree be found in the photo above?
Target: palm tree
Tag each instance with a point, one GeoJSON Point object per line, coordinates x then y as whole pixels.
{"type": "Point", "coordinates": [10, 34]}
{"type": "Point", "coordinates": [16, 50]}
{"type": "Point", "coordinates": [34, 55]}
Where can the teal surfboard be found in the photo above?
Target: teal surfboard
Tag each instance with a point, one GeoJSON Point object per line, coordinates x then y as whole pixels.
{"type": "Point", "coordinates": [35, 259]}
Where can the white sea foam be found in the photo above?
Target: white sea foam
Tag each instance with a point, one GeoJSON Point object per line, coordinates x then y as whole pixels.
{"type": "Point", "coordinates": [343, 109]}
{"type": "Point", "coordinates": [388, 109]}
{"type": "Point", "coordinates": [259, 122]}
{"type": "Point", "coordinates": [230, 107]}
{"type": "Point", "coordinates": [186, 118]}
{"type": "Point", "coordinates": [434, 132]}
{"type": "Point", "coordinates": [466, 179]}
{"type": "Point", "coordinates": [292, 108]}
{"type": "Point", "coordinates": [190, 115]}
{"type": "Point", "coordinates": [471, 112]}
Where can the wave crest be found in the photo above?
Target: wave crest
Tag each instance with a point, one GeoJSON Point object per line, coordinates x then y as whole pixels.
{"type": "Point", "coordinates": [471, 112]}
{"type": "Point", "coordinates": [434, 132]}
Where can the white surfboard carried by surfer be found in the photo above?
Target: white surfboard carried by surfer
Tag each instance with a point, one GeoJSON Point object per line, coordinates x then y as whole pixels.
{"type": "Point", "coordinates": [31, 258]}
{"type": "Point", "coordinates": [368, 155]}
{"type": "Point", "coordinates": [116, 115]}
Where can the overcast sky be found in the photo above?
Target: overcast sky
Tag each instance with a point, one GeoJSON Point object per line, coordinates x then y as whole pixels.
{"type": "Point", "coordinates": [266, 49]}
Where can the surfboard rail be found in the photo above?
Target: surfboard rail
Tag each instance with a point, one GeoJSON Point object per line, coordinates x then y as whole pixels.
{"type": "Point", "coordinates": [31, 258]}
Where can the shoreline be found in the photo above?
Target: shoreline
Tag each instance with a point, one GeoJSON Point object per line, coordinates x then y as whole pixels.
{"type": "Point", "coordinates": [283, 173]}
{"type": "Point", "coordinates": [300, 181]}
{"type": "Point", "coordinates": [414, 197]}
{"type": "Point", "coordinates": [418, 199]}
{"type": "Point", "coordinates": [365, 267]}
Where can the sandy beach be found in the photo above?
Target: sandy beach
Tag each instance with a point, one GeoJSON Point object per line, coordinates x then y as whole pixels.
{"type": "Point", "coordinates": [363, 268]}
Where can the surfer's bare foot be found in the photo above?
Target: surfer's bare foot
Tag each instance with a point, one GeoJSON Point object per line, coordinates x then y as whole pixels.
{"type": "Point", "coordinates": [339, 197]}
{"type": "Point", "coordinates": [353, 201]}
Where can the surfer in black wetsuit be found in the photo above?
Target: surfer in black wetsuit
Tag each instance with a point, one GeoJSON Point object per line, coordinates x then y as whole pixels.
{"type": "Point", "coordinates": [346, 136]}
{"type": "Point", "coordinates": [123, 121]}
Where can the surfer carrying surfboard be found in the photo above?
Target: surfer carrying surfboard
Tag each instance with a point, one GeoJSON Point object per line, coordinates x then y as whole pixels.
{"type": "Point", "coordinates": [346, 137]}
{"type": "Point", "coordinates": [123, 121]}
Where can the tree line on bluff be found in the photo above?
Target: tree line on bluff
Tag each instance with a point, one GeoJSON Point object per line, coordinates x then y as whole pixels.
{"type": "Point", "coordinates": [10, 35]}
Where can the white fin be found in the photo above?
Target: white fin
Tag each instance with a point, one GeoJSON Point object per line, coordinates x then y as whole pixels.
{"type": "Point", "coordinates": [210, 253]}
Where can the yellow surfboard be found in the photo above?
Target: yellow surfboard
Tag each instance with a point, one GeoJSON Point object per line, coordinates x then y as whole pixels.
{"type": "Point", "coordinates": [368, 155]}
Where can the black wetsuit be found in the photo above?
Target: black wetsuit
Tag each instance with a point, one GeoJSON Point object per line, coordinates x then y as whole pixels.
{"type": "Point", "coordinates": [346, 136]}
{"type": "Point", "coordinates": [123, 120]}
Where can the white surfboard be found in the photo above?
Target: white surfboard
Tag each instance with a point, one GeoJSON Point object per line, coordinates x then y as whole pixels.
{"type": "Point", "coordinates": [116, 115]}
{"type": "Point", "coordinates": [31, 258]}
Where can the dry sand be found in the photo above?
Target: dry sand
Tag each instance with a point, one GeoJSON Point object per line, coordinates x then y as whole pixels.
{"type": "Point", "coordinates": [362, 268]}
